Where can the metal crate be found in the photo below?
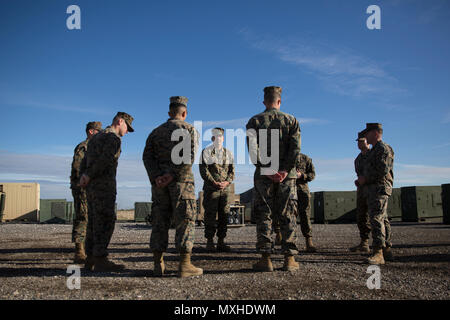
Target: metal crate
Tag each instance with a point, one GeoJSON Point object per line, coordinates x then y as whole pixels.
{"type": "Point", "coordinates": [421, 203]}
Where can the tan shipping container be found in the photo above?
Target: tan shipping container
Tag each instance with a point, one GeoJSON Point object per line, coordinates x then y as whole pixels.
{"type": "Point", "coordinates": [22, 201]}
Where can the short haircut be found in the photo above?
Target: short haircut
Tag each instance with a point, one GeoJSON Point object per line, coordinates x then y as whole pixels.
{"type": "Point", "coordinates": [271, 97]}
{"type": "Point", "coordinates": [221, 130]}
{"type": "Point", "coordinates": [176, 108]}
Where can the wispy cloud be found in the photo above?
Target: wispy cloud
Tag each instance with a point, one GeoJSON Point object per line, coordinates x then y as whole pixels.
{"type": "Point", "coordinates": [29, 103]}
{"type": "Point", "coordinates": [339, 69]}
{"type": "Point", "coordinates": [446, 118]}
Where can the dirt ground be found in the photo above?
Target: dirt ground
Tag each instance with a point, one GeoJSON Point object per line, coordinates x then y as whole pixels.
{"type": "Point", "coordinates": [34, 259]}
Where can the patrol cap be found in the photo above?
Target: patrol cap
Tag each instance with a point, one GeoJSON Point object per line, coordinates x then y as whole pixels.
{"type": "Point", "coordinates": [128, 119]}
{"type": "Point", "coordinates": [96, 125]}
{"type": "Point", "coordinates": [178, 100]}
{"type": "Point", "coordinates": [372, 126]}
{"type": "Point", "coordinates": [361, 135]}
{"type": "Point", "coordinates": [272, 90]}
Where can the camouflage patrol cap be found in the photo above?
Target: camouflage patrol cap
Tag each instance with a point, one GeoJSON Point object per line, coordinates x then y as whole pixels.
{"type": "Point", "coordinates": [372, 126]}
{"type": "Point", "coordinates": [177, 100]}
{"type": "Point", "coordinates": [272, 90]}
{"type": "Point", "coordinates": [128, 119]}
{"type": "Point", "coordinates": [96, 125]}
{"type": "Point", "coordinates": [361, 135]}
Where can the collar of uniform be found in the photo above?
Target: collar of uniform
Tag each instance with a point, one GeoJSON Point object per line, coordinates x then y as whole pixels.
{"type": "Point", "coordinates": [109, 129]}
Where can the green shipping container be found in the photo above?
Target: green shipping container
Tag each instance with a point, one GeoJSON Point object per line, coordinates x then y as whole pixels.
{"type": "Point", "coordinates": [142, 210]}
{"type": "Point", "coordinates": [52, 211]}
{"type": "Point", "coordinates": [445, 195]}
{"type": "Point", "coordinates": [335, 207]}
{"type": "Point", "coordinates": [394, 208]}
{"type": "Point", "coordinates": [421, 204]}
{"type": "Point", "coordinates": [70, 211]}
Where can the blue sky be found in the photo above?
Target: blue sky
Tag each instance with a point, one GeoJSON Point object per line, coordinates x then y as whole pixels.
{"type": "Point", "coordinates": [133, 55]}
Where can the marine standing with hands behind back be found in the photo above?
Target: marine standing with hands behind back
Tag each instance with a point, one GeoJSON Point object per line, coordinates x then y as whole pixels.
{"type": "Point", "coordinates": [217, 171]}
{"type": "Point", "coordinates": [79, 194]}
{"type": "Point", "coordinates": [100, 178]}
{"type": "Point", "coordinates": [275, 193]}
{"type": "Point", "coordinates": [172, 180]}
{"type": "Point", "coordinates": [378, 177]}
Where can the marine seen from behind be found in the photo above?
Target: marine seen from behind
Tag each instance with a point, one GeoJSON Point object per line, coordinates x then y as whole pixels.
{"type": "Point", "coordinates": [275, 133]}
{"type": "Point", "coordinates": [168, 156]}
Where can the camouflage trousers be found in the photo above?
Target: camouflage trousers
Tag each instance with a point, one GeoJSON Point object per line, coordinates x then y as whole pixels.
{"type": "Point", "coordinates": [81, 215]}
{"type": "Point", "coordinates": [303, 212]}
{"type": "Point", "coordinates": [217, 205]}
{"type": "Point", "coordinates": [175, 203]}
{"type": "Point", "coordinates": [362, 213]}
{"type": "Point", "coordinates": [277, 201]}
{"type": "Point", "coordinates": [101, 218]}
{"type": "Point", "coordinates": [381, 227]}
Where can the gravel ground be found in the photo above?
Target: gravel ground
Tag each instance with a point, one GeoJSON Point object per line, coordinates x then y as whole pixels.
{"type": "Point", "coordinates": [34, 259]}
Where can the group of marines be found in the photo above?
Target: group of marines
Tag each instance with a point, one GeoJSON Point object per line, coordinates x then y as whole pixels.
{"type": "Point", "coordinates": [280, 195]}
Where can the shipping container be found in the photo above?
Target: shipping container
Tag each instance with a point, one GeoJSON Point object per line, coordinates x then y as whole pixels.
{"type": "Point", "coordinates": [335, 207]}
{"type": "Point", "coordinates": [422, 203]}
{"type": "Point", "coordinates": [53, 211]}
{"type": "Point", "coordinates": [394, 208]}
{"type": "Point", "coordinates": [446, 202]}
{"type": "Point", "coordinates": [21, 201]}
{"type": "Point", "coordinates": [142, 211]}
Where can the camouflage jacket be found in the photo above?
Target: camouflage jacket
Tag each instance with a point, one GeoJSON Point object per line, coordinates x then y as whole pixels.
{"type": "Point", "coordinates": [289, 139]}
{"type": "Point", "coordinates": [304, 165]}
{"type": "Point", "coordinates": [359, 163]}
{"type": "Point", "coordinates": [79, 154]}
{"type": "Point", "coordinates": [216, 166]}
{"type": "Point", "coordinates": [103, 156]}
{"type": "Point", "coordinates": [379, 166]}
{"type": "Point", "coordinates": [157, 154]}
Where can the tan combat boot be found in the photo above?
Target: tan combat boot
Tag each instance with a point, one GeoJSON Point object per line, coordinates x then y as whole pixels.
{"type": "Point", "coordinates": [376, 257]}
{"type": "Point", "coordinates": [210, 245]}
{"type": "Point", "coordinates": [80, 255]}
{"type": "Point", "coordinates": [278, 239]}
{"type": "Point", "coordinates": [387, 254]}
{"type": "Point", "coordinates": [362, 247]}
{"type": "Point", "coordinates": [289, 263]}
{"type": "Point", "coordinates": [102, 264]}
{"type": "Point", "coordinates": [309, 245]}
{"type": "Point", "coordinates": [264, 264]}
{"type": "Point", "coordinates": [186, 268]}
{"type": "Point", "coordinates": [221, 246]}
{"type": "Point", "coordinates": [158, 264]}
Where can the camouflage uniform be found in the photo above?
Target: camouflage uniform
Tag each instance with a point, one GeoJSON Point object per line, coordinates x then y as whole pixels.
{"type": "Point", "coordinates": [177, 201]}
{"type": "Point", "coordinates": [79, 194]}
{"type": "Point", "coordinates": [216, 166]}
{"type": "Point", "coordinates": [362, 215]}
{"type": "Point", "coordinates": [271, 199]}
{"type": "Point", "coordinates": [304, 165]}
{"type": "Point", "coordinates": [101, 166]}
{"type": "Point", "coordinates": [379, 175]}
